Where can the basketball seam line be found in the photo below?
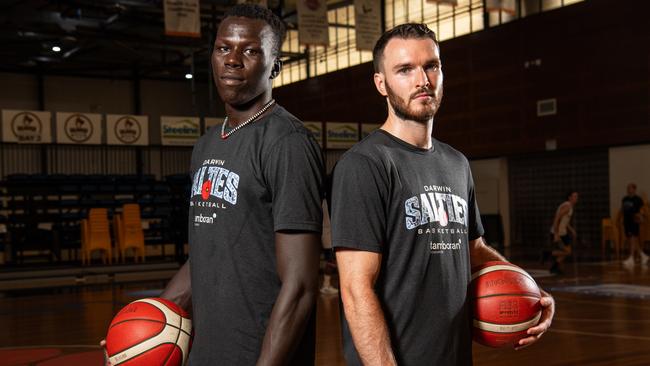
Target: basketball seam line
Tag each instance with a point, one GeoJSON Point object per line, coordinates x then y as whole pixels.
{"type": "Point", "coordinates": [511, 269]}
{"type": "Point", "coordinates": [165, 305]}
{"type": "Point", "coordinates": [528, 323]}
{"type": "Point", "coordinates": [520, 271]}
{"type": "Point", "coordinates": [182, 316]}
{"type": "Point", "coordinates": [153, 321]}
{"type": "Point", "coordinates": [497, 324]}
{"type": "Point", "coordinates": [143, 352]}
{"type": "Point", "coordinates": [178, 335]}
{"type": "Point", "coordinates": [504, 324]}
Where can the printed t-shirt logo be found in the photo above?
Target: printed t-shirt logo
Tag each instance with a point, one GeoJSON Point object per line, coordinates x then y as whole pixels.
{"type": "Point", "coordinates": [216, 186]}
{"type": "Point", "coordinates": [432, 212]}
{"type": "Point", "coordinates": [216, 183]}
{"type": "Point", "coordinates": [430, 207]}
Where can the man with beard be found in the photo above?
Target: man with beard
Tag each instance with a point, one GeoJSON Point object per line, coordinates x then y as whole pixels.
{"type": "Point", "coordinates": [255, 212]}
{"type": "Point", "coordinates": [405, 223]}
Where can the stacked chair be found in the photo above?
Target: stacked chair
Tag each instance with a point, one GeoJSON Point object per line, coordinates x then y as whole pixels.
{"type": "Point", "coordinates": [95, 235]}
{"type": "Point", "coordinates": [128, 232]}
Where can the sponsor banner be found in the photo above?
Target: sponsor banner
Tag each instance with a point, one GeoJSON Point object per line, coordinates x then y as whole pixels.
{"type": "Point", "coordinates": [313, 28]}
{"type": "Point", "coordinates": [262, 3]}
{"type": "Point", "coordinates": [127, 129]}
{"type": "Point", "coordinates": [182, 18]}
{"type": "Point", "coordinates": [78, 128]}
{"type": "Point", "coordinates": [367, 17]}
{"type": "Point", "coordinates": [28, 127]}
{"type": "Point", "coordinates": [211, 121]}
{"type": "Point", "coordinates": [176, 130]}
{"type": "Point", "coordinates": [366, 128]}
{"type": "Point", "coordinates": [316, 129]}
{"type": "Point", "coordinates": [450, 2]}
{"type": "Point", "coordinates": [341, 135]}
{"type": "Point", "coordinates": [507, 6]}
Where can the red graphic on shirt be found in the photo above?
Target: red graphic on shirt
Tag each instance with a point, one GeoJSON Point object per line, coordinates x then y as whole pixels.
{"type": "Point", "coordinates": [205, 189]}
{"type": "Point", "coordinates": [444, 219]}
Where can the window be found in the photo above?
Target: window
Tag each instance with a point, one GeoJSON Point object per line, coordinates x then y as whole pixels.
{"type": "Point", "coordinates": [446, 20]}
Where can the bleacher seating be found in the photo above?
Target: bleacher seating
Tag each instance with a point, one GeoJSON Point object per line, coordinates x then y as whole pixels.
{"type": "Point", "coordinates": [43, 212]}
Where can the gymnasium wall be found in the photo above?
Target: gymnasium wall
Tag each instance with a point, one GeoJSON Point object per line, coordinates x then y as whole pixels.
{"type": "Point", "coordinates": [591, 56]}
{"type": "Point", "coordinates": [95, 95]}
{"type": "Point", "coordinates": [492, 193]}
{"type": "Point", "coordinates": [628, 164]}
{"type": "Point", "coordinates": [18, 91]}
{"type": "Point", "coordinates": [540, 182]}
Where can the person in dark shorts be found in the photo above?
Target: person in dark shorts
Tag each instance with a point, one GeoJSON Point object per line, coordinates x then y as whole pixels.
{"type": "Point", "coordinates": [633, 215]}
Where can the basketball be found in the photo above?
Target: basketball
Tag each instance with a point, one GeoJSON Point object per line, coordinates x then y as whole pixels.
{"type": "Point", "coordinates": [505, 303]}
{"type": "Point", "coordinates": [149, 332]}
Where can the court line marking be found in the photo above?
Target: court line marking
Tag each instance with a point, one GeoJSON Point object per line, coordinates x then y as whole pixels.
{"type": "Point", "coordinates": [50, 346]}
{"type": "Point", "coordinates": [602, 303]}
{"type": "Point", "coordinates": [606, 335]}
{"type": "Point", "coordinates": [600, 320]}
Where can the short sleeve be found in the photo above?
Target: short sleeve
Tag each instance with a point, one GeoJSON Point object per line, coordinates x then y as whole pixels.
{"type": "Point", "coordinates": [358, 204]}
{"type": "Point", "coordinates": [475, 229]}
{"type": "Point", "coordinates": [294, 174]}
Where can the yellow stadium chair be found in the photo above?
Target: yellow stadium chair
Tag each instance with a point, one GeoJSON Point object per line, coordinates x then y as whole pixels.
{"type": "Point", "coordinates": [128, 232]}
{"type": "Point", "coordinates": [95, 235]}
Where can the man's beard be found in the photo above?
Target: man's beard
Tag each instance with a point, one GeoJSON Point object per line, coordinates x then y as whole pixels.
{"type": "Point", "coordinates": [402, 110]}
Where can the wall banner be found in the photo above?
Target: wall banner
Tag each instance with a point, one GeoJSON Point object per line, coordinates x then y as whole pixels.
{"type": "Point", "coordinates": [367, 19]}
{"type": "Point", "coordinates": [341, 135]}
{"type": "Point", "coordinates": [316, 128]}
{"type": "Point", "coordinates": [127, 129]}
{"type": "Point", "coordinates": [182, 18]}
{"type": "Point", "coordinates": [179, 131]}
{"type": "Point", "coordinates": [79, 128]}
{"type": "Point", "coordinates": [27, 127]}
{"type": "Point", "coordinates": [313, 27]}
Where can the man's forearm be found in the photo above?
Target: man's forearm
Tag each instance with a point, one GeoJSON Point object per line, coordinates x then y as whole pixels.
{"type": "Point", "coordinates": [367, 324]}
{"type": "Point", "coordinates": [179, 288]}
{"type": "Point", "coordinates": [480, 253]}
{"type": "Point", "coordinates": [287, 323]}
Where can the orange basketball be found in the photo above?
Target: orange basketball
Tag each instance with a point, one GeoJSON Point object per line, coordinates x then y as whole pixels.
{"type": "Point", "coordinates": [505, 301]}
{"type": "Point", "coordinates": [149, 332]}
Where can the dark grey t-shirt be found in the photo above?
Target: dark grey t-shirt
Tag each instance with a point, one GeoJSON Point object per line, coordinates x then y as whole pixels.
{"type": "Point", "coordinates": [265, 177]}
{"type": "Point", "coordinates": [417, 208]}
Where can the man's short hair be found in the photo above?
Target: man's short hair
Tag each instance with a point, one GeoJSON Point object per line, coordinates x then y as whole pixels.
{"type": "Point", "coordinates": [404, 31]}
{"type": "Point", "coordinates": [253, 11]}
{"type": "Point", "coordinates": [570, 193]}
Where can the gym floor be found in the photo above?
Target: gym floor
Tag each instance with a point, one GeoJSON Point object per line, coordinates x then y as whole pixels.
{"type": "Point", "coordinates": [602, 318]}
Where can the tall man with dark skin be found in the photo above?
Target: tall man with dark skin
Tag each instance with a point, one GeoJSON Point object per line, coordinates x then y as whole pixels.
{"type": "Point", "coordinates": [255, 212]}
{"type": "Point", "coordinates": [405, 223]}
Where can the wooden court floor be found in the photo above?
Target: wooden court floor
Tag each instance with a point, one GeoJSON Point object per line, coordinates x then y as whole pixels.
{"type": "Point", "coordinates": [590, 328]}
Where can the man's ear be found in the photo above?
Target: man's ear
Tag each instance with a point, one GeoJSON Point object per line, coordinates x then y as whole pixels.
{"type": "Point", "coordinates": [380, 83]}
{"type": "Point", "coordinates": [277, 67]}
